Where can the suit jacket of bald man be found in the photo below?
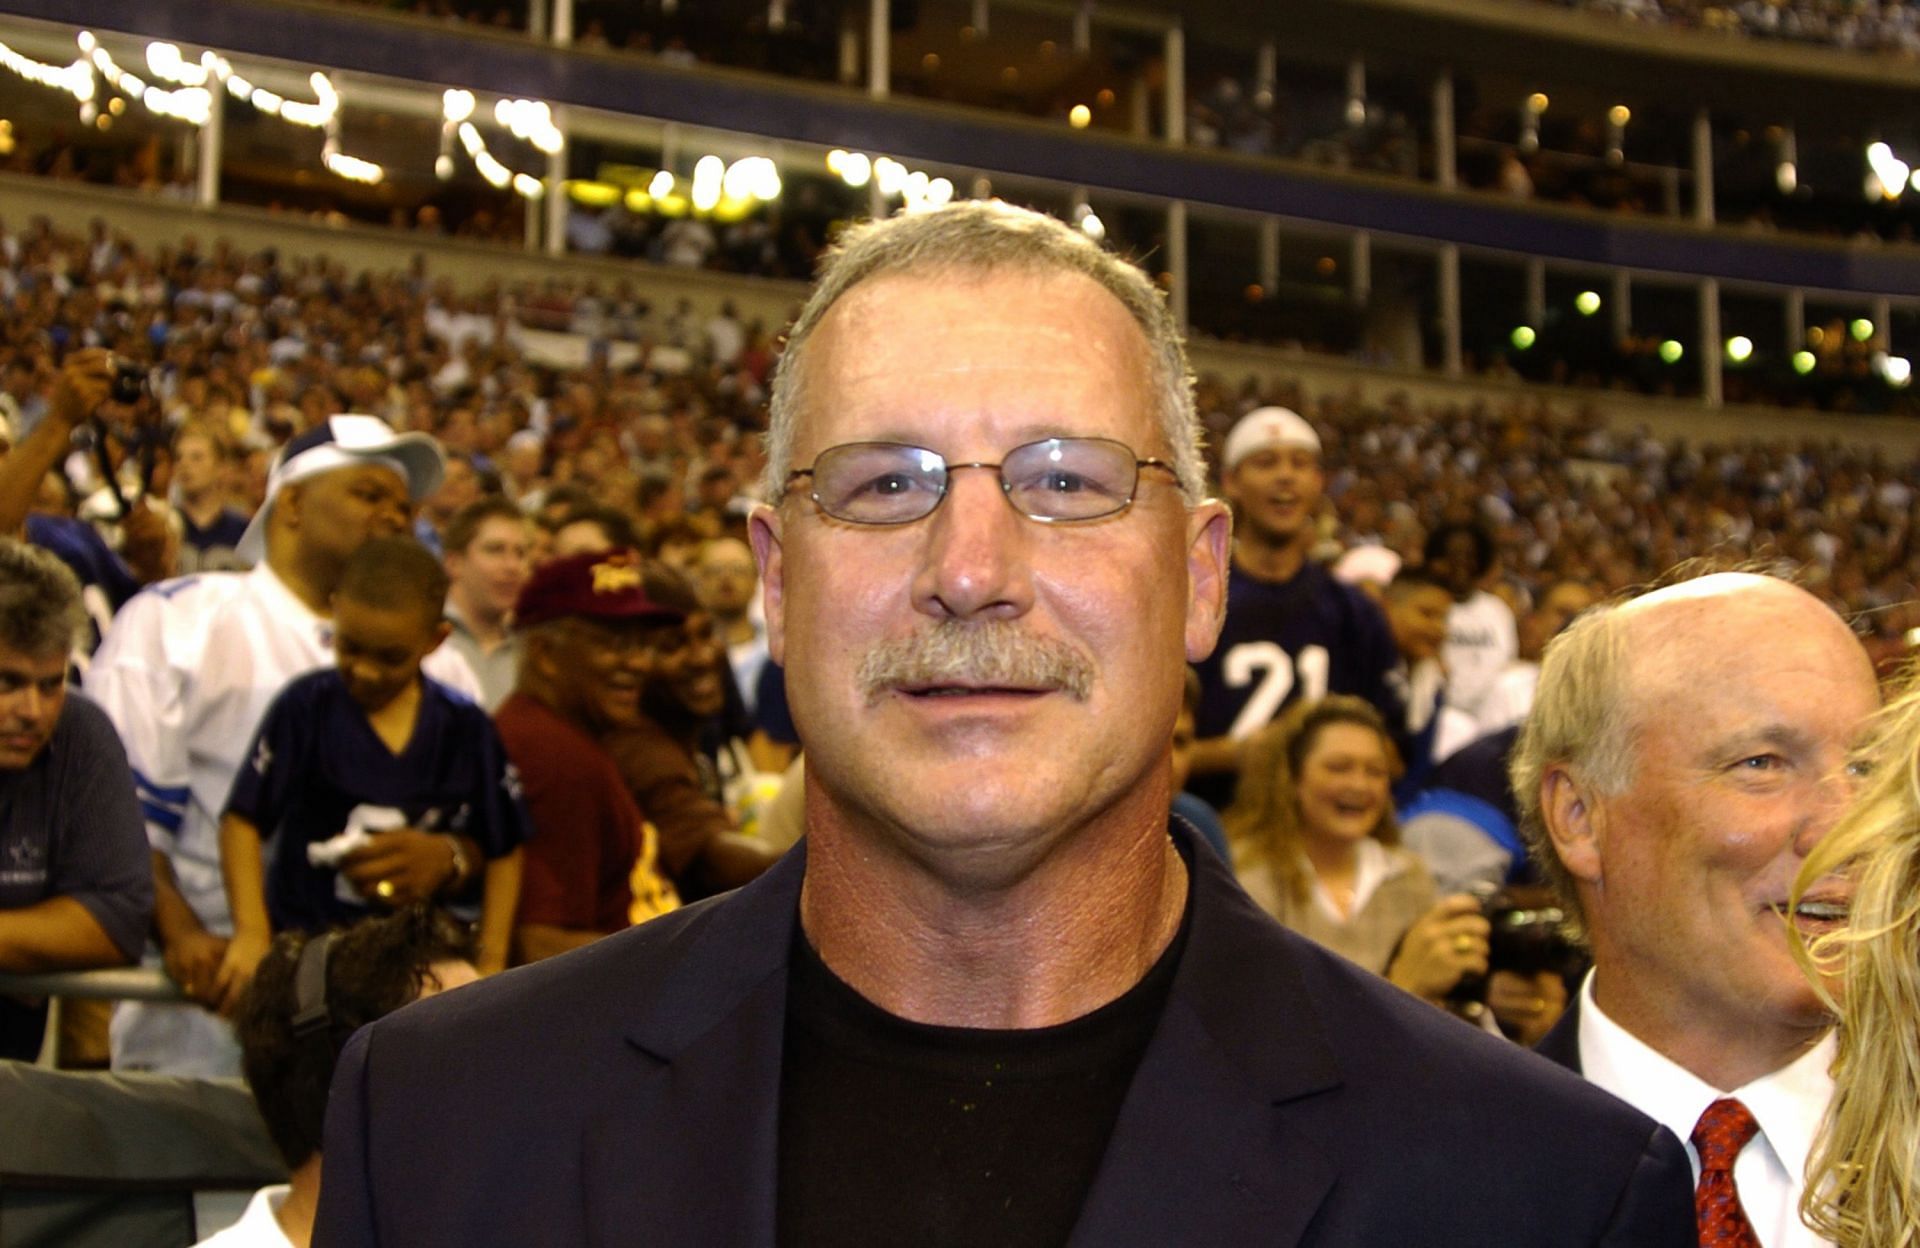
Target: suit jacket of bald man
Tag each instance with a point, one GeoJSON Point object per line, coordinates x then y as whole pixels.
{"type": "Point", "coordinates": [626, 1093]}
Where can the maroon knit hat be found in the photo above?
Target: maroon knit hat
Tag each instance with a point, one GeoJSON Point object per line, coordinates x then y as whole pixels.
{"type": "Point", "coordinates": [597, 585]}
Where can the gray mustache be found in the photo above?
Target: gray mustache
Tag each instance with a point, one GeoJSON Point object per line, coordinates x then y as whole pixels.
{"type": "Point", "coordinates": [992, 653]}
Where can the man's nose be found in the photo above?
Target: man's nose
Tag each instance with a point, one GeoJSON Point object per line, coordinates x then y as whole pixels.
{"type": "Point", "coordinates": [976, 560]}
{"type": "Point", "coordinates": [1832, 796]}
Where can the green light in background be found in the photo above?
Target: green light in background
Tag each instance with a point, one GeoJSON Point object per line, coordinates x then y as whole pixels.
{"type": "Point", "coordinates": [1587, 302]}
{"type": "Point", "coordinates": [1671, 351]}
{"type": "Point", "coordinates": [1522, 337]}
{"type": "Point", "coordinates": [1803, 362]}
{"type": "Point", "coordinates": [1739, 348]}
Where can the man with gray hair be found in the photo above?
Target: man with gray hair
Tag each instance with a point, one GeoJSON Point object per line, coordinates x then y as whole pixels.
{"type": "Point", "coordinates": [996, 996]}
{"type": "Point", "coordinates": [1685, 751]}
{"type": "Point", "coordinates": [75, 892]}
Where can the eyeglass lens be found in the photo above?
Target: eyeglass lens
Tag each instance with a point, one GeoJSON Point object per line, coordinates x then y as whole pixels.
{"type": "Point", "coordinates": [1053, 479]}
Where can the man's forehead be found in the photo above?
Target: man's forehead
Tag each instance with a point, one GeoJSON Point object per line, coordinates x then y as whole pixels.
{"type": "Point", "coordinates": [1052, 325]}
{"type": "Point", "coordinates": [369, 470]}
{"type": "Point", "coordinates": [1740, 641]}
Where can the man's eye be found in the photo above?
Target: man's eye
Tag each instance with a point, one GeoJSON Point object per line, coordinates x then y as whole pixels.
{"type": "Point", "coordinates": [1762, 762]}
{"type": "Point", "coordinates": [887, 485]}
{"type": "Point", "coordinates": [1059, 481]}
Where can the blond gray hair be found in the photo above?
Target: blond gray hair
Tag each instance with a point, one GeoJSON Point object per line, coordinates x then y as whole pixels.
{"type": "Point", "coordinates": [980, 237]}
{"type": "Point", "coordinates": [1582, 719]}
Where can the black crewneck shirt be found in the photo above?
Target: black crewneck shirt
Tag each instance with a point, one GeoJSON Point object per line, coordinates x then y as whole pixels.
{"type": "Point", "coordinates": [900, 1133]}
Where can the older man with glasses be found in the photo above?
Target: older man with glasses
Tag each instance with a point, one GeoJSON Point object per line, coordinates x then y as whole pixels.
{"type": "Point", "coordinates": [996, 996]}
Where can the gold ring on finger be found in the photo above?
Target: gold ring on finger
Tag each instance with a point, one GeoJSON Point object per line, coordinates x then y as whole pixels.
{"type": "Point", "coordinates": [1462, 943]}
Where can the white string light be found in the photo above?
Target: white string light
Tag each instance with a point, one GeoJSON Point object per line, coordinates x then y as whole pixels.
{"type": "Point", "coordinates": [528, 120]}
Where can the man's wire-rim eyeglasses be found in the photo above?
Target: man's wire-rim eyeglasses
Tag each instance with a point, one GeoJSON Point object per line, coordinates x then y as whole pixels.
{"type": "Point", "coordinates": [1052, 480]}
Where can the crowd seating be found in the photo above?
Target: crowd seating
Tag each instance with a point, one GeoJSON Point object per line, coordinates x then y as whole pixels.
{"type": "Point", "coordinates": [313, 338]}
{"type": "Point", "coordinates": [1871, 27]}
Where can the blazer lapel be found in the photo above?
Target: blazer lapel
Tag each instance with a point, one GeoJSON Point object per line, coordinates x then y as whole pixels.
{"type": "Point", "coordinates": [1562, 1043]}
{"type": "Point", "coordinates": [685, 1148]}
{"type": "Point", "coordinates": [1204, 1151]}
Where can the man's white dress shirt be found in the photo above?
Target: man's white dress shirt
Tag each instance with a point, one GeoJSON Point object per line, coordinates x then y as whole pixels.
{"type": "Point", "coordinates": [1788, 1105]}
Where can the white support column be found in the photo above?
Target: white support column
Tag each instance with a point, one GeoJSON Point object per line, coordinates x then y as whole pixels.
{"type": "Point", "coordinates": [1266, 66]}
{"type": "Point", "coordinates": [1449, 284]}
{"type": "Point", "coordinates": [537, 20]}
{"type": "Point", "coordinates": [776, 15]}
{"type": "Point", "coordinates": [1883, 323]}
{"type": "Point", "coordinates": [849, 52]}
{"type": "Point", "coordinates": [1356, 92]}
{"type": "Point", "coordinates": [1177, 261]}
{"type": "Point", "coordinates": [1536, 304]}
{"type": "Point", "coordinates": [563, 22]}
{"type": "Point", "coordinates": [555, 202]}
{"type": "Point", "coordinates": [980, 17]}
{"type": "Point", "coordinates": [1140, 108]}
{"type": "Point", "coordinates": [879, 49]}
{"type": "Point", "coordinates": [1176, 78]}
{"type": "Point", "coordinates": [1795, 309]}
{"type": "Point", "coordinates": [1445, 164]}
{"type": "Point", "coordinates": [1711, 391]}
{"type": "Point", "coordinates": [1622, 305]}
{"type": "Point", "coordinates": [1269, 275]}
{"type": "Point", "coordinates": [206, 187]}
{"type": "Point", "coordinates": [1083, 27]}
{"type": "Point", "coordinates": [1703, 167]}
{"type": "Point", "coordinates": [1360, 269]}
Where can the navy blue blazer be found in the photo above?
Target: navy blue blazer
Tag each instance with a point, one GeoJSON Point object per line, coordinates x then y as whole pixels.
{"type": "Point", "coordinates": [625, 1094]}
{"type": "Point", "coordinates": [1562, 1043]}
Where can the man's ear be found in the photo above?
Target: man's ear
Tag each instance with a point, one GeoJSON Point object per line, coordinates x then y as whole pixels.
{"type": "Point", "coordinates": [1209, 552]}
{"type": "Point", "coordinates": [1568, 809]}
{"type": "Point", "coordinates": [765, 535]}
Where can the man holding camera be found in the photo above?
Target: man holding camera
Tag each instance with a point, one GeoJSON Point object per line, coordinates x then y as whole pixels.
{"type": "Point", "coordinates": [1686, 750]}
{"type": "Point", "coordinates": [92, 385]}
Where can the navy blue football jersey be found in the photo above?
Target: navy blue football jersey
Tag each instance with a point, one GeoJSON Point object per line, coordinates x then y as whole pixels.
{"type": "Point", "coordinates": [1284, 640]}
{"type": "Point", "coordinates": [316, 759]}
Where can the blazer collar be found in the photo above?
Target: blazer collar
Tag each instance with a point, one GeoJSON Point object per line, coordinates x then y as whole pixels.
{"type": "Point", "coordinates": [1205, 1117]}
{"type": "Point", "coordinates": [1204, 1150]}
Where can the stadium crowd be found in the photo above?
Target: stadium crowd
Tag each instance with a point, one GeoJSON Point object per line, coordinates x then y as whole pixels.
{"type": "Point", "coordinates": [453, 626]}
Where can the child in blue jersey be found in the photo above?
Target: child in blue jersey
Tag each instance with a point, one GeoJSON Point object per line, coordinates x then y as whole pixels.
{"type": "Point", "coordinates": [376, 785]}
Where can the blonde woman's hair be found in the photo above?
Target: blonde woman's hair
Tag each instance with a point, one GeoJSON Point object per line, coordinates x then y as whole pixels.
{"type": "Point", "coordinates": [1862, 1188]}
{"type": "Point", "coordinates": [1265, 815]}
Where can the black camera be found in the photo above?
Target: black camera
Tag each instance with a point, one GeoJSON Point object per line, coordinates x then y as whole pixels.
{"type": "Point", "coordinates": [129, 381]}
{"type": "Point", "coordinates": [1528, 935]}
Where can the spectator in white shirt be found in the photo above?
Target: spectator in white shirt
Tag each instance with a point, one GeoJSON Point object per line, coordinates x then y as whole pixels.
{"type": "Point", "coordinates": [1686, 751]}
{"type": "Point", "coordinates": [1482, 637]}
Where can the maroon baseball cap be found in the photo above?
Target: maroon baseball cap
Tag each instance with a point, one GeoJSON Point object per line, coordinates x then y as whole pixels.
{"type": "Point", "coordinates": [596, 585]}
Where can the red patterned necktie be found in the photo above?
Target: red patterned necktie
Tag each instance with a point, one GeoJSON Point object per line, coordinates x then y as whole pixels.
{"type": "Point", "coordinates": [1723, 1130]}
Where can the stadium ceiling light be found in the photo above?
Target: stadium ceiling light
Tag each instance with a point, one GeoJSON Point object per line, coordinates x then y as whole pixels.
{"type": "Point", "coordinates": [1861, 329]}
{"type": "Point", "coordinates": [1888, 170]}
{"type": "Point", "coordinates": [1587, 302]}
{"type": "Point", "coordinates": [1739, 348]}
{"type": "Point", "coordinates": [1804, 362]}
{"type": "Point", "coordinates": [1671, 351]}
{"type": "Point", "coordinates": [1522, 337]}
